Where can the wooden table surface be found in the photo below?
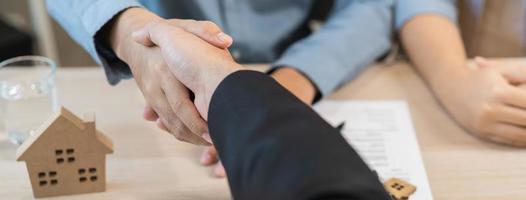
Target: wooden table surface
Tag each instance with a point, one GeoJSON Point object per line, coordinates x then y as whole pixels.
{"type": "Point", "coordinates": [151, 164]}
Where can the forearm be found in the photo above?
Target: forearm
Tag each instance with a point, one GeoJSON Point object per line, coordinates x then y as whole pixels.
{"type": "Point", "coordinates": [265, 136]}
{"type": "Point", "coordinates": [336, 52]}
{"type": "Point", "coordinates": [434, 46]}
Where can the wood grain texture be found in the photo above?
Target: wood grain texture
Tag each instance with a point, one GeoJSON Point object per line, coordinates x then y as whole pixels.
{"type": "Point", "coordinates": [150, 164]}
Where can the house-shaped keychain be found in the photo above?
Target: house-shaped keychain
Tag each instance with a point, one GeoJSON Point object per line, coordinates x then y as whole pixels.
{"type": "Point", "coordinates": [66, 156]}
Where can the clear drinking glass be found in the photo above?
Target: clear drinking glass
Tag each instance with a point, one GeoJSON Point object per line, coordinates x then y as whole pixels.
{"type": "Point", "coordinates": [27, 95]}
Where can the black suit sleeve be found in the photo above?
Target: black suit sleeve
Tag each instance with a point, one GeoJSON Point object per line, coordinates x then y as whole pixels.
{"type": "Point", "coordinates": [275, 147]}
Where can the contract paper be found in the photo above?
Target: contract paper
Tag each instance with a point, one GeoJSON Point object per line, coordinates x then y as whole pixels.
{"type": "Point", "coordinates": [383, 135]}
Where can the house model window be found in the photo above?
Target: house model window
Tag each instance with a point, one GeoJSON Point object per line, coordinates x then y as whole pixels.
{"type": "Point", "coordinates": [66, 156]}
{"type": "Point", "coordinates": [85, 175]}
{"type": "Point", "coordinates": [47, 178]}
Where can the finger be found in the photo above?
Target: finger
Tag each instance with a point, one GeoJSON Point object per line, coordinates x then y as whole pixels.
{"type": "Point", "coordinates": [483, 62]}
{"type": "Point", "coordinates": [179, 130]}
{"type": "Point", "coordinates": [167, 119]}
{"type": "Point", "coordinates": [207, 137]}
{"type": "Point", "coordinates": [192, 121]}
{"type": "Point", "coordinates": [160, 34]}
{"type": "Point", "coordinates": [161, 125]}
{"type": "Point", "coordinates": [149, 114]}
{"type": "Point", "coordinates": [177, 96]}
{"type": "Point", "coordinates": [206, 30]}
{"type": "Point", "coordinates": [512, 115]}
{"type": "Point", "coordinates": [515, 96]}
{"type": "Point", "coordinates": [159, 104]}
{"type": "Point", "coordinates": [142, 36]}
{"type": "Point", "coordinates": [509, 134]}
{"type": "Point", "coordinates": [209, 156]}
{"type": "Point", "coordinates": [514, 72]}
{"type": "Point", "coordinates": [170, 121]}
{"type": "Point", "coordinates": [219, 170]}
{"type": "Point", "coordinates": [175, 128]}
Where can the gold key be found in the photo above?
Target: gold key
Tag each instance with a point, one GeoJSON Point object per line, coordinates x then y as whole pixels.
{"type": "Point", "coordinates": [399, 189]}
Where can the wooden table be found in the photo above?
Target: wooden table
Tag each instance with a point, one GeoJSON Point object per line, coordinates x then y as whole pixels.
{"type": "Point", "coordinates": [151, 164]}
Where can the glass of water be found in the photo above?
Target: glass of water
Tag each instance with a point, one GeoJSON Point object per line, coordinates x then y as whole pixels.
{"type": "Point", "coordinates": [27, 95]}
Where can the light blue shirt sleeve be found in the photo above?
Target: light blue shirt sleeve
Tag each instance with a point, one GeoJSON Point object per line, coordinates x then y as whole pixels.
{"type": "Point", "coordinates": [407, 9]}
{"type": "Point", "coordinates": [355, 35]}
{"type": "Point", "coordinates": [82, 19]}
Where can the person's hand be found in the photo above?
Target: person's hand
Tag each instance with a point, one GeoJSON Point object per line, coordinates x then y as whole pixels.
{"type": "Point", "coordinates": [487, 101]}
{"type": "Point", "coordinates": [195, 63]}
{"type": "Point", "coordinates": [284, 77]}
{"type": "Point", "coordinates": [208, 157]}
{"type": "Point", "coordinates": [167, 97]}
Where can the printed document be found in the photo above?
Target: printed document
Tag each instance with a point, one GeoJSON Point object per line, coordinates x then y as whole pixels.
{"type": "Point", "coordinates": [383, 134]}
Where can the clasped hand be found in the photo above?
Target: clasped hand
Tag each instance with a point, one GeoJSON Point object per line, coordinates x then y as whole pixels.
{"type": "Point", "coordinates": [170, 103]}
{"type": "Point", "coordinates": [166, 58]}
{"type": "Point", "coordinates": [183, 52]}
{"type": "Point", "coordinates": [176, 108]}
{"type": "Point", "coordinates": [488, 100]}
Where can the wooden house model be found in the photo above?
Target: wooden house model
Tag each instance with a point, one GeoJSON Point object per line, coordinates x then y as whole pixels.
{"type": "Point", "coordinates": [66, 156]}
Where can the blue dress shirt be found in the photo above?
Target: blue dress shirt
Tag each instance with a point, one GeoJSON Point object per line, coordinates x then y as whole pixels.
{"type": "Point", "coordinates": [355, 34]}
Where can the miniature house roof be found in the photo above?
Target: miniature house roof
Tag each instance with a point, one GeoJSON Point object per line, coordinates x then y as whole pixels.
{"type": "Point", "coordinates": [82, 125]}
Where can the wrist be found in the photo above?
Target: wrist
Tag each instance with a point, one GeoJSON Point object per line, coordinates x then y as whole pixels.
{"type": "Point", "coordinates": [207, 83]}
{"type": "Point", "coordinates": [211, 82]}
{"type": "Point", "coordinates": [447, 77]}
{"type": "Point", "coordinates": [441, 68]}
{"type": "Point", "coordinates": [297, 83]}
{"type": "Point", "coordinates": [125, 24]}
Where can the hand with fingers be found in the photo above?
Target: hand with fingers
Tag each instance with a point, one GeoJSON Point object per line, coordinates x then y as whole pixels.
{"type": "Point", "coordinates": [209, 156]}
{"type": "Point", "coordinates": [185, 58]}
{"type": "Point", "coordinates": [488, 101]}
{"type": "Point", "coordinates": [170, 103]}
{"type": "Point", "coordinates": [183, 53]}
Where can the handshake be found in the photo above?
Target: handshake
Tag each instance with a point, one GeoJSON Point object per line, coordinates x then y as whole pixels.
{"type": "Point", "coordinates": [190, 61]}
{"type": "Point", "coordinates": [192, 66]}
{"type": "Point", "coordinates": [177, 64]}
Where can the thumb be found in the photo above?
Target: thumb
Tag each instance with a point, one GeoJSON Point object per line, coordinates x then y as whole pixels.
{"type": "Point", "coordinates": [206, 30]}
{"type": "Point", "coordinates": [149, 114]}
{"type": "Point", "coordinates": [515, 73]}
{"type": "Point", "coordinates": [142, 36]}
{"type": "Point", "coordinates": [483, 62]}
{"type": "Point", "coordinates": [159, 34]}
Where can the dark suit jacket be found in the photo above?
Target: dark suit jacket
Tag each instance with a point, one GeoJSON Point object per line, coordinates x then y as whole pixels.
{"type": "Point", "coordinates": [275, 147]}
